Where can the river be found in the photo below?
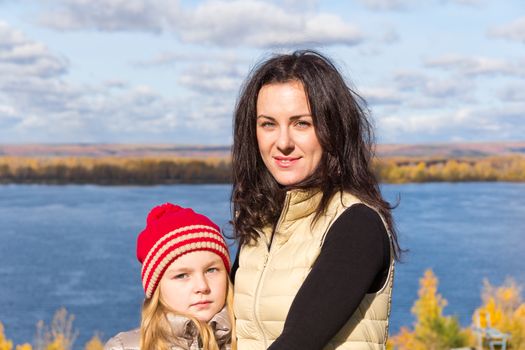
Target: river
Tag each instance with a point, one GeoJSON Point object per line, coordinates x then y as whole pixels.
{"type": "Point", "coordinates": [74, 246]}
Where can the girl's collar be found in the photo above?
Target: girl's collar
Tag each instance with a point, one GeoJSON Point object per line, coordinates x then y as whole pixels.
{"type": "Point", "coordinates": [183, 327]}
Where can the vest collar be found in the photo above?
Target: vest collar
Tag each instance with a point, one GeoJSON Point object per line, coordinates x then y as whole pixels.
{"type": "Point", "coordinates": [184, 328]}
{"type": "Point", "coordinates": [300, 203]}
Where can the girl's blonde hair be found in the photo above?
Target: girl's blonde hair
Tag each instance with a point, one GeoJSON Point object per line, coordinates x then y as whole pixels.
{"type": "Point", "coordinates": [156, 333]}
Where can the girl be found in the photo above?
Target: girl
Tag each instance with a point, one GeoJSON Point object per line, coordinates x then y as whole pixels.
{"type": "Point", "coordinates": [185, 266]}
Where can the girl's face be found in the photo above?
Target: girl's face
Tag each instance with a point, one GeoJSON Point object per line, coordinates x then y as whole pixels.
{"type": "Point", "coordinates": [195, 284]}
{"type": "Point", "coordinates": [286, 135]}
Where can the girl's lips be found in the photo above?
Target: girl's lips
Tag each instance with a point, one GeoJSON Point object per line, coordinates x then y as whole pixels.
{"type": "Point", "coordinates": [285, 162]}
{"type": "Point", "coordinates": [201, 304]}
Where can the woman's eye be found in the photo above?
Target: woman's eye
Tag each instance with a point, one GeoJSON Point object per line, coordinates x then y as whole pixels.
{"type": "Point", "coordinates": [267, 124]}
{"type": "Point", "coordinates": [303, 124]}
{"type": "Point", "coordinates": [181, 276]}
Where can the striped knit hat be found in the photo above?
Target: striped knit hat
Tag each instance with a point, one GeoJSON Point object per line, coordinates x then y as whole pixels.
{"type": "Point", "coordinates": [172, 231]}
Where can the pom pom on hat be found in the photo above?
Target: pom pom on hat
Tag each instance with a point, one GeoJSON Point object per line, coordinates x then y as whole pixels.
{"type": "Point", "coordinates": [172, 231]}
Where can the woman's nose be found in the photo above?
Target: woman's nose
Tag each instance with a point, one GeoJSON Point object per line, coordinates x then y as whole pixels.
{"type": "Point", "coordinates": [285, 141]}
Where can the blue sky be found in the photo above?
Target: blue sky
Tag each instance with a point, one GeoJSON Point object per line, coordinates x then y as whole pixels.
{"type": "Point", "coordinates": [168, 71]}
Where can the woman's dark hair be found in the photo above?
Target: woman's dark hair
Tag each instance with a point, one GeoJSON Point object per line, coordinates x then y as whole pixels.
{"type": "Point", "coordinates": [340, 118]}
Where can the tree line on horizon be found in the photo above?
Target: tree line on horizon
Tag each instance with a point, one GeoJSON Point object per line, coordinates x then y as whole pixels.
{"type": "Point", "coordinates": [164, 170]}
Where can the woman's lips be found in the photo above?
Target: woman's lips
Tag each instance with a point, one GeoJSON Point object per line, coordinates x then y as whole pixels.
{"type": "Point", "coordinates": [285, 162]}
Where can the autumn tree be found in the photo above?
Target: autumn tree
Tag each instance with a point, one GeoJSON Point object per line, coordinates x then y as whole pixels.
{"type": "Point", "coordinates": [5, 344]}
{"type": "Point", "coordinates": [59, 336]}
{"type": "Point", "coordinates": [505, 309]}
{"type": "Point", "coordinates": [94, 343]}
{"type": "Point", "coordinates": [432, 330]}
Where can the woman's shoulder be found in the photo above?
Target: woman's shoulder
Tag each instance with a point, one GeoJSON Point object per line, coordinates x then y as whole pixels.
{"type": "Point", "coordinates": [359, 223]}
{"type": "Point", "coordinates": [129, 340]}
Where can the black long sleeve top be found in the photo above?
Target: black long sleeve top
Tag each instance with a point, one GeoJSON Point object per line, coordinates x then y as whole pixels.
{"type": "Point", "coordinates": [354, 260]}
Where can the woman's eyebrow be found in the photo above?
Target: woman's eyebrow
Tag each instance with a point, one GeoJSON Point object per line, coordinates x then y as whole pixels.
{"type": "Point", "coordinates": [265, 116]}
{"type": "Point", "coordinates": [293, 117]}
{"type": "Point", "coordinates": [299, 116]}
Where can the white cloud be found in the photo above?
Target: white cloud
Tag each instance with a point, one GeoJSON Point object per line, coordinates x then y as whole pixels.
{"type": "Point", "coordinates": [211, 114]}
{"type": "Point", "coordinates": [212, 78]}
{"type": "Point", "coordinates": [21, 57]}
{"type": "Point", "coordinates": [170, 58]}
{"type": "Point", "coordinates": [440, 88]}
{"type": "Point", "coordinates": [251, 23]}
{"type": "Point", "coordinates": [513, 93]}
{"type": "Point", "coordinates": [434, 91]}
{"type": "Point", "coordinates": [469, 124]}
{"type": "Point", "coordinates": [473, 3]}
{"type": "Point", "coordinates": [381, 96]}
{"type": "Point", "coordinates": [476, 66]}
{"type": "Point", "coordinates": [38, 103]}
{"type": "Point", "coordinates": [260, 24]}
{"type": "Point", "coordinates": [390, 36]}
{"type": "Point", "coordinates": [54, 111]}
{"type": "Point", "coordinates": [514, 30]}
{"type": "Point", "coordinates": [299, 5]}
{"type": "Point", "coordinates": [110, 15]}
{"type": "Point", "coordinates": [409, 80]}
{"type": "Point", "coordinates": [388, 5]}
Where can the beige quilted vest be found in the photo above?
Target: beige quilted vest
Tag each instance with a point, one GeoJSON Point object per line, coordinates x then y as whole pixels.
{"type": "Point", "coordinates": [267, 281]}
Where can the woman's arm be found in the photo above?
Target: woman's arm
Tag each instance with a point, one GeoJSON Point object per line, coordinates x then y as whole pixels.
{"type": "Point", "coordinates": [354, 260]}
{"type": "Point", "coordinates": [235, 266]}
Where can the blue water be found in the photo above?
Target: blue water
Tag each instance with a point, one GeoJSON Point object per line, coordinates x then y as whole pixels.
{"type": "Point", "coordinates": [74, 246]}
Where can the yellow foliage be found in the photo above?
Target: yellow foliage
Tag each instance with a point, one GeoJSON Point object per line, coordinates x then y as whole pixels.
{"type": "Point", "coordinates": [59, 336]}
{"type": "Point", "coordinates": [169, 169]}
{"type": "Point", "coordinates": [505, 309]}
{"type": "Point", "coordinates": [432, 330]}
{"type": "Point", "coordinates": [94, 343]}
{"type": "Point", "coordinates": [57, 344]}
{"type": "Point", "coordinates": [25, 346]}
{"type": "Point", "coordinates": [406, 340]}
{"type": "Point", "coordinates": [496, 168]}
{"type": "Point", "coordinates": [5, 344]}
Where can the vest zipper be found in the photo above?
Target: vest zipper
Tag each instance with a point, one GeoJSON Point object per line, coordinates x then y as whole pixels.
{"type": "Point", "coordinates": [263, 273]}
{"type": "Point", "coordinates": [255, 304]}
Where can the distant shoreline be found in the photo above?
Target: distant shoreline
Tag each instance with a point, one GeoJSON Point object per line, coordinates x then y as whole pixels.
{"type": "Point", "coordinates": [446, 150]}
{"type": "Point", "coordinates": [168, 170]}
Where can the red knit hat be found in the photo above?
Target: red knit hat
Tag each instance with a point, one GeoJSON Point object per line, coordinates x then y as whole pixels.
{"type": "Point", "coordinates": [172, 231]}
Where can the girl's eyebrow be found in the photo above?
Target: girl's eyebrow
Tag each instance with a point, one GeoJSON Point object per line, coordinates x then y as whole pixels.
{"type": "Point", "coordinates": [214, 262]}
{"type": "Point", "coordinates": [293, 117]}
{"type": "Point", "coordinates": [178, 270]}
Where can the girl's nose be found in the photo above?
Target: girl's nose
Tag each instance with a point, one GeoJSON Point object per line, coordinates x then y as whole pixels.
{"type": "Point", "coordinates": [285, 141]}
{"type": "Point", "coordinates": [201, 285]}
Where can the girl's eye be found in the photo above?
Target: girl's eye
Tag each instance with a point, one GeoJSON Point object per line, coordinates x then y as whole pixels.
{"type": "Point", "coordinates": [181, 276]}
{"type": "Point", "coordinates": [212, 270]}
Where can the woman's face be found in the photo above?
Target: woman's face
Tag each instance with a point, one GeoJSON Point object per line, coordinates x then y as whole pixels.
{"type": "Point", "coordinates": [285, 132]}
{"type": "Point", "coordinates": [195, 284]}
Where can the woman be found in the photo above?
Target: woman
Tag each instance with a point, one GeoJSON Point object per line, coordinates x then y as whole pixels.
{"type": "Point", "coordinates": [317, 241]}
